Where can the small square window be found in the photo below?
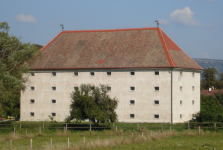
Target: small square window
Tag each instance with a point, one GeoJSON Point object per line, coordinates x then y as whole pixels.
{"type": "Point", "coordinates": [92, 87]}
{"type": "Point", "coordinates": [132, 73]}
{"type": "Point", "coordinates": [132, 88]}
{"type": "Point", "coordinates": [92, 73]}
{"type": "Point", "coordinates": [156, 102]}
{"type": "Point", "coordinates": [181, 88]}
{"type": "Point", "coordinates": [157, 88]}
{"type": "Point", "coordinates": [75, 88]}
{"type": "Point", "coordinates": [54, 73]}
{"type": "Point", "coordinates": [32, 88]}
{"type": "Point", "coordinates": [108, 73]}
{"type": "Point", "coordinates": [192, 88]}
{"type": "Point", "coordinates": [108, 88]}
{"type": "Point", "coordinates": [32, 114]}
{"type": "Point", "coordinates": [156, 116]}
{"type": "Point", "coordinates": [132, 115]}
{"type": "Point", "coordinates": [181, 73]}
{"type": "Point", "coordinates": [53, 114]}
{"type": "Point", "coordinates": [54, 88]}
{"type": "Point", "coordinates": [132, 102]}
{"type": "Point", "coordinates": [54, 101]}
{"type": "Point", "coordinates": [181, 102]}
{"type": "Point", "coordinates": [157, 73]}
{"type": "Point", "coordinates": [32, 74]}
{"type": "Point", "coordinates": [32, 101]}
{"type": "Point", "coordinates": [193, 74]}
{"type": "Point", "coordinates": [75, 73]}
{"type": "Point", "coordinates": [192, 102]}
{"type": "Point", "coordinates": [180, 115]}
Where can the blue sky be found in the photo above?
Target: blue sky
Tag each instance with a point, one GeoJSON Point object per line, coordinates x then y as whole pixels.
{"type": "Point", "coordinates": [195, 25]}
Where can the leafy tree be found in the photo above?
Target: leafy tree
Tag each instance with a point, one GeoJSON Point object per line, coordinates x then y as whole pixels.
{"type": "Point", "coordinates": [13, 55]}
{"type": "Point", "coordinates": [93, 102]}
{"type": "Point", "coordinates": [209, 78]}
{"type": "Point", "coordinates": [221, 81]}
{"type": "Point", "coordinates": [211, 109]}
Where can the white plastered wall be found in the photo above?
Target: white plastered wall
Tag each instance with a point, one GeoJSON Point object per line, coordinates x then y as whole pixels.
{"type": "Point", "coordinates": [120, 81]}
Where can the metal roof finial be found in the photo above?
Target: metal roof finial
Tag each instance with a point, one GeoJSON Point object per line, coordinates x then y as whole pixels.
{"type": "Point", "coordinates": [157, 21]}
{"type": "Point", "coordinates": [62, 26]}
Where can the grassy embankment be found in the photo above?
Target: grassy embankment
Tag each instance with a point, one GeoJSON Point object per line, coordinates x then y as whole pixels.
{"type": "Point", "coordinates": [110, 139]}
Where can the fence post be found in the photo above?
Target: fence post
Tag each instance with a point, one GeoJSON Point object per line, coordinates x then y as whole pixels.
{"type": "Point", "coordinates": [137, 126]}
{"type": "Point", "coordinates": [199, 130]}
{"type": "Point", "coordinates": [68, 142]}
{"type": "Point", "coordinates": [170, 129]}
{"type": "Point", "coordinates": [31, 144]}
{"type": "Point", "coordinates": [90, 127]}
{"type": "Point", "coordinates": [20, 126]}
{"type": "Point", "coordinates": [214, 148]}
{"type": "Point", "coordinates": [84, 140]}
{"type": "Point", "coordinates": [215, 125]}
{"type": "Point", "coordinates": [14, 131]}
{"type": "Point", "coordinates": [10, 146]}
{"type": "Point", "coordinates": [142, 135]}
{"type": "Point", "coordinates": [51, 144]}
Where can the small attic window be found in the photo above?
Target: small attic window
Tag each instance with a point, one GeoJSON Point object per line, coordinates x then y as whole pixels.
{"type": "Point", "coordinates": [75, 73]}
{"type": "Point", "coordinates": [193, 74]}
{"type": "Point", "coordinates": [32, 74]}
{"type": "Point", "coordinates": [157, 73]}
{"type": "Point", "coordinates": [92, 73]}
{"type": "Point", "coordinates": [132, 73]}
{"type": "Point", "coordinates": [108, 73]}
{"type": "Point", "coordinates": [181, 73]}
{"type": "Point", "coordinates": [54, 73]}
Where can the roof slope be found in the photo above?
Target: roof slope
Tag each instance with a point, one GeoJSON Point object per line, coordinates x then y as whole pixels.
{"type": "Point", "coordinates": [123, 48]}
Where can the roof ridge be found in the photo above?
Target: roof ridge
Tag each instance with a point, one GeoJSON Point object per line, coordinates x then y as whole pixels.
{"type": "Point", "coordinates": [169, 58]}
{"type": "Point", "coordinates": [109, 30]}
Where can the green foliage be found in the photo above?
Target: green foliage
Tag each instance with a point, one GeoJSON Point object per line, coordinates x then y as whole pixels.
{"type": "Point", "coordinates": [211, 109]}
{"type": "Point", "coordinates": [93, 102]}
{"type": "Point", "coordinates": [209, 78]}
{"type": "Point", "coordinates": [13, 55]}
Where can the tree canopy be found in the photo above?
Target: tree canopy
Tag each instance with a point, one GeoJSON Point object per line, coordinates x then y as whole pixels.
{"type": "Point", "coordinates": [13, 55]}
{"type": "Point", "coordinates": [93, 102]}
{"type": "Point", "coordinates": [211, 109]}
{"type": "Point", "coordinates": [209, 78]}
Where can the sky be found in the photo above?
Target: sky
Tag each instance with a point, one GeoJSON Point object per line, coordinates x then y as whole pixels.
{"type": "Point", "coordinates": [194, 25]}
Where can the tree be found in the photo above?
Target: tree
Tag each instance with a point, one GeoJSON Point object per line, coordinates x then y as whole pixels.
{"type": "Point", "coordinates": [93, 102]}
{"type": "Point", "coordinates": [13, 56]}
{"type": "Point", "coordinates": [221, 81]}
{"type": "Point", "coordinates": [211, 109]}
{"type": "Point", "coordinates": [209, 78]}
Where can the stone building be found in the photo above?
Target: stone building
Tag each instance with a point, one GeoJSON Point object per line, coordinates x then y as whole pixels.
{"type": "Point", "coordinates": [153, 78]}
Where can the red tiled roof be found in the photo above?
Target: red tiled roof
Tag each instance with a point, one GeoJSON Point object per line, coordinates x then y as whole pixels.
{"type": "Point", "coordinates": [121, 48]}
{"type": "Point", "coordinates": [212, 92]}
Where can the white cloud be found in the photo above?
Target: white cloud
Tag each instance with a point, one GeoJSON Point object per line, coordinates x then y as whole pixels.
{"type": "Point", "coordinates": [184, 17]}
{"type": "Point", "coordinates": [22, 18]}
{"type": "Point", "coordinates": [163, 21]}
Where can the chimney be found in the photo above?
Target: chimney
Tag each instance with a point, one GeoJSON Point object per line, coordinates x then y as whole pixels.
{"type": "Point", "coordinates": [209, 90]}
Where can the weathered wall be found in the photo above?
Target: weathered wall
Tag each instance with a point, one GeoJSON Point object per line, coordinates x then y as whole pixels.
{"type": "Point", "coordinates": [120, 81]}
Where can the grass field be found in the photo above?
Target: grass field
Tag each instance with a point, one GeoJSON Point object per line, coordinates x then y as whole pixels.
{"type": "Point", "coordinates": [155, 136]}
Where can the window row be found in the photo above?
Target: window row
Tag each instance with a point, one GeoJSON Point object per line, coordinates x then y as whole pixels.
{"type": "Point", "coordinates": [132, 102]}
{"type": "Point", "coordinates": [181, 88]}
{"type": "Point", "coordinates": [157, 116]}
{"type": "Point", "coordinates": [32, 101]}
{"type": "Point", "coordinates": [32, 114]}
{"type": "Point", "coordinates": [156, 102]}
{"type": "Point", "coordinates": [131, 88]}
{"type": "Point", "coordinates": [132, 73]}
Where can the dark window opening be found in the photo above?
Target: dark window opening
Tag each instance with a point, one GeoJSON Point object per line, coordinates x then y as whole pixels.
{"type": "Point", "coordinates": [54, 73]}
{"type": "Point", "coordinates": [132, 101]}
{"type": "Point", "coordinates": [156, 102]}
{"type": "Point", "coordinates": [32, 101]}
{"type": "Point", "coordinates": [109, 88]}
{"type": "Point", "coordinates": [76, 73]}
{"type": "Point", "coordinates": [31, 113]}
{"type": "Point", "coordinates": [53, 114]}
{"type": "Point", "coordinates": [92, 73]}
{"type": "Point", "coordinates": [54, 88]}
{"type": "Point", "coordinates": [156, 116]}
{"type": "Point", "coordinates": [32, 74]}
{"type": "Point", "coordinates": [108, 73]}
{"type": "Point", "coordinates": [157, 73]}
{"type": "Point", "coordinates": [132, 73]}
{"type": "Point", "coordinates": [132, 88]}
{"type": "Point", "coordinates": [157, 88]}
{"type": "Point", "coordinates": [53, 101]}
{"type": "Point", "coordinates": [132, 115]}
{"type": "Point", "coordinates": [32, 88]}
